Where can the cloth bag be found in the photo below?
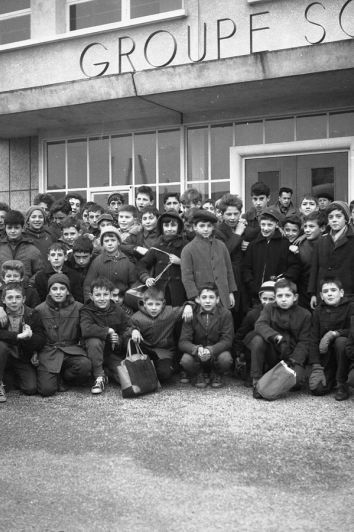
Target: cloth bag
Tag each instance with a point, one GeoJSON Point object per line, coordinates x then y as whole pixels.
{"type": "Point", "coordinates": [276, 382]}
{"type": "Point", "coordinates": [137, 374]}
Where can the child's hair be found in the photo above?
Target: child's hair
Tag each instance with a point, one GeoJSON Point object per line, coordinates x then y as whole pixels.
{"type": "Point", "coordinates": [101, 282]}
{"type": "Point", "coordinates": [116, 196]}
{"type": "Point", "coordinates": [229, 200]}
{"type": "Point", "coordinates": [151, 209]}
{"type": "Point", "coordinates": [48, 199]}
{"type": "Point", "coordinates": [293, 219]}
{"type": "Point", "coordinates": [351, 205]}
{"type": "Point", "coordinates": [71, 222]}
{"type": "Point", "coordinates": [208, 286]}
{"type": "Point", "coordinates": [317, 216]}
{"type": "Point", "coordinates": [260, 189]}
{"type": "Point", "coordinates": [122, 287]}
{"type": "Point", "coordinates": [145, 190]}
{"type": "Point", "coordinates": [75, 195]}
{"type": "Point", "coordinates": [171, 195]}
{"type": "Point", "coordinates": [95, 208]}
{"type": "Point", "coordinates": [83, 245]}
{"type": "Point", "coordinates": [4, 207]}
{"type": "Point", "coordinates": [331, 279]}
{"type": "Point", "coordinates": [14, 218]}
{"type": "Point", "coordinates": [12, 265]}
{"type": "Point", "coordinates": [154, 294]}
{"type": "Point", "coordinates": [189, 215]}
{"type": "Point", "coordinates": [12, 286]}
{"type": "Point", "coordinates": [88, 205]}
{"type": "Point", "coordinates": [58, 246]}
{"type": "Point", "coordinates": [287, 190]}
{"type": "Point", "coordinates": [285, 283]}
{"type": "Point", "coordinates": [208, 200]}
{"type": "Point", "coordinates": [129, 208]}
{"type": "Point", "coordinates": [308, 197]}
{"type": "Point", "coordinates": [191, 195]}
{"type": "Point", "coordinates": [61, 205]}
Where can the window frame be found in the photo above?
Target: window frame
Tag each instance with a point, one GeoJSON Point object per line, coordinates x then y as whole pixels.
{"type": "Point", "coordinates": [16, 14]}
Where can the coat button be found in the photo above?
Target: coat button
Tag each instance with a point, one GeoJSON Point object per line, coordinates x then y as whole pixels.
{"type": "Point", "coordinates": [329, 268]}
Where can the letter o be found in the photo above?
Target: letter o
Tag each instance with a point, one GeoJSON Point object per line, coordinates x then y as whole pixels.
{"type": "Point", "coordinates": [173, 53]}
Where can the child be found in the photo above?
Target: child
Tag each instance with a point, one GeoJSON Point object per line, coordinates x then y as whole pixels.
{"type": "Point", "coordinates": [207, 259]}
{"type": "Point", "coordinates": [117, 296]}
{"type": "Point", "coordinates": [171, 200]}
{"type": "Point", "coordinates": [81, 257]}
{"type": "Point", "coordinates": [137, 245]}
{"type": "Point", "coordinates": [40, 235]}
{"type": "Point", "coordinates": [17, 245]}
{"type": "Point", "coordinates": [112, 263]}
{"type": "Point", "coordinates": [19, 338]}
{"type": "Point", "coordinates": [93, 214]}
{"type": "Point", "coordinates": [71, 232]}
{"type": "Point", "coordinates": [76, 201]}
{"type": "Point", "coordinates": [308, 203]}
{"type": "Point", "coordinates": [13, 271]}
{"type": "Point", "coordinates": [57, 256]}
{"type": "Point", "coordinates": [208, 205]}
{"type": "Point", "coordinates": [191, 198]}
{"type": "Point", "coordinates": [4, 209]}
{"type": "Point", "coordinates": [128, 221]}
{"type": "Point", "coordinates": [282, 333]}
{"type": "Point", "coordinates": [105, 220]}
{"type": "Point", "coordinates": [334, 252]}
{"type": "Point", "coordinates": [61, 356]}
{"type": "Point", "coordinates": [167, 250]}
{"type": "Point", "coordinates": [153, 327]}
{"type": "Point", "coordinates": [59, 211]}
{"type": "Point", "coordinates": [103, 324]}
{"type": "Point", "coordinates": [114, 202]}
{"type": "Point", "coordinates": [324, 200]}
{"type": "Point", "coordinates": [242, 344]}
{"type": "Point", "coordinates": [144, 197]}
{"type": "Point", "coordinates": [292, 227]}
{"type": "Point", "coordinates": [260, 197]}
{"type": "Point", "coordinates": [328, 338]}
{"type": "Point", "coordinates": [268, 255]}
{"type": "Point", "coordinates": [85, 209]}
{"type": "Point", "coordinates": [206, 340]}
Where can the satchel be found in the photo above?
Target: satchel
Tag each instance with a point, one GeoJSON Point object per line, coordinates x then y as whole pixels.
{"type": "Point", "coordinates": [137, 374]}
{"type": "Point", "coordinates": [276, 382]}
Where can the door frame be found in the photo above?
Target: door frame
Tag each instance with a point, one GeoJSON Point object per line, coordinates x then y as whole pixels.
{"type": "Point", "coordinates": [239, 154]}
{"type": "Point", "coordinates": [127, 189]}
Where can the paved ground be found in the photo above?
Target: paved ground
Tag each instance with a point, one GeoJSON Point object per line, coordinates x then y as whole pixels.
{"type": "Point", "coordinates": [180, 460]}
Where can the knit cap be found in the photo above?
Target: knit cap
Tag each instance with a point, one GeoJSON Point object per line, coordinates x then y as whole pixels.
{"type": "Point", "coordinates": [267, 286]}
{"type": "Point", "coordinates": [105, 216]}
{"type": "Point", "coordinates": [110, 229]}
{"type": "Point", "coordinates": [342, 206]}
{"type": "Point", "coordinates": [59, 278]}
{"type": "Point", "coordinates": [32, 209]}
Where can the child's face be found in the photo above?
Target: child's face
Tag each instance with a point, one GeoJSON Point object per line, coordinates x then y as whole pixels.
{"type": "Point", "coordinates": [260, 202]}
{"type": "Point", "coordinates": [12, 276]}
{"type": "Point", "coordinates": [267, 297]}
{"type": "Point", "coordinates": [190, 205]}
{"type": "Point", "coordinates": [153, 307]}
{"type": "Point", "coordinates": [208, 300]}
{"type": "Point", "coordinates": [285, 298]}
{"type": "Point", "coordinates": [93, 218]}
{"type": "Point", "coordinates": [312, 230]}
{"type": "Point", "coordinates": [143, 200]}
{"type": "Point", "coordinates": [85, 215]}
{"type": "Point", "coordinates": [331, 294]}
{"type": "Point", "coordinates": [81, 258]}
{"type": "Point", "coordinates": [268, 227]}
{"type": "Point", "coordinates": [149, 221]}
{"type": "Point", "coordinates": [116, 297]}
{"type": "Point", "coordinates": [14, 231]}
{"type": "Point", "coordinates": [125, 220]}
{"type": "Point", "coordinates": [70, 234]}
{"type": "Point", "coordinates": [336, 220]}
{"type": "Point", "coordinates": [2, 218]}
{"type": "Point", "coordinates": [231, 216]}
{"type": "Point", "coordinates": [110, 244]}
{"type": "Point", "coordinates": [75, 207]}
{"type": "Point", "coordinates": [307, 206]}
{"type": "Point", "coordinates": [113, 207]}
{"type": "Point", "coordinates": [101, 297]}
{"type": "Point", "coordinates": [58, 292]}
{"type": "Point", "coordinates": [56, 258]}
{"type": "Point", "coordinates": [105, 223]}
{"type": "Point", "coordinates": [209, 207]}
{"type": "Point", "coordinates": [59, 217]}
{"type": "Point", "coordinates": [170, 228]}
{"type": "Point", "coordinates": [204, 229]}
{"type": "Point", "coordinates": [291, 231]}
{"type": "Point", "coordinates": [14, 300]}
{"type": "Point", "coordinates": [323, 203]}
{"type": "Point", "coordinates": [172, 203]}
{"type": "Point", "coordinates": [36, 220]}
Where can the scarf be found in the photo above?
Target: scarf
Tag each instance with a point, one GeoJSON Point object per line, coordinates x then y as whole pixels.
{"type": "Point", "coordinates": [337, 236]}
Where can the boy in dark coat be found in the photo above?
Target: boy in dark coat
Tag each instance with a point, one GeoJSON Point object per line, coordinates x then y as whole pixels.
{"type": "Point", "coordinates": [329, 332]}
{"type": "Point", "coordinates": [103, 324]}
{"type": "Point", "coordinates": [206, 340]}
{"type": "Point", "coordinates": [260, 196]}
{"type": "Point", "coordinates": [19, 339]}
{"type": "Point", "coordinates": [135, 246]}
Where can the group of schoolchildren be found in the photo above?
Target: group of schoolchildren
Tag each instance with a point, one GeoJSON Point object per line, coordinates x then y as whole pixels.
{"type": "Point", "coordinates": [221, 292]}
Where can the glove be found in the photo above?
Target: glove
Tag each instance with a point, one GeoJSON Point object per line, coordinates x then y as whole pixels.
{"type": "Point", "coordinates": [326, 340]}
{"type": "Point", "coordinates": [317, 376]}
{"type": "Point", "coordinates": [284, 350]}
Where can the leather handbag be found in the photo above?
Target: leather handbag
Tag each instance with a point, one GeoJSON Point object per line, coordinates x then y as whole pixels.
{"type": "Point", "coordinates": [276, 382]}
{"type": "Point", "coordinates": [135, 294]}
{"type": "Point", "coordinates": [137, 373]}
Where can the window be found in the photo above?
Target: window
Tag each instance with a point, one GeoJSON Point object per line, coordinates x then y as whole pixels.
{"type": "Point", "coordinates": [15, 21]}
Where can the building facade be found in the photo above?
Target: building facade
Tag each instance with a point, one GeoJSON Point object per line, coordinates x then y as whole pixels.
{"type": "Point", "coordinates": [102, 95]}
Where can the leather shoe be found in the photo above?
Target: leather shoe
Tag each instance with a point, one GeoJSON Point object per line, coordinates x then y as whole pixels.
{"type": "Point", "coordinates": [256, 394]}
{"type": "Point", "coordinates": [342, 393]}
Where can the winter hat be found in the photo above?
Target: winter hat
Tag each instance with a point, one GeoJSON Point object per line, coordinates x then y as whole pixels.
{"type": "Point", "coordinates": [59, 278]}
{"type": "Point", "coordinates": [105, 216]}
{"type": "Point", "coordinates": [32, 209]}
{"type": "Point", "coordinates": [267, 286]}
{"type": "Point", "coordinates": [171, 213]}
{"type": "Point", "coordinates": [110, 229]}
{"type": "Point", "coordinates": [325, 195]}
{"type": "Point", "coordinates": [120, 197]}
{"type": "Point", "coordinates": [340, 205]}
{"type": "Point", "coordinates": [201, 215]}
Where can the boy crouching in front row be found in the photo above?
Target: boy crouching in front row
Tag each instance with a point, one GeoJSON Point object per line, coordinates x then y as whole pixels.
{"type": "Point", "coordinates": [206, 341]}
{"type": "Point", "coordinates": [282, 333]}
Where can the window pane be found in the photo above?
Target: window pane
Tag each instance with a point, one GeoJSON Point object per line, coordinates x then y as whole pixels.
{"type": "Point", "coordinates": [94, 13]}
{"type": "Point", "coordinates": [169, 156]}
{"type": "Point", "coordinates": [143, 8]}
{"type": "Point", "coordinates": [279, 130]}
{"type": "Point", "coordinates": [197, 165]}
{"type": "Point", "coordinates": [220, 143]}
{"type": "Point", "coordinates": [219, 189]}
{"type": "Point", "coordinates": [122, 160]}
{"type": "Point", "coordinates": [322, 180]}
{"type": "Point", "coordinates": [7, 6]}
{"type": "Point", "coordinates": [202, 187]}
{"type": "Point", "coordinates": [15, 29]}
{"type": "Point", "coordinates": [145, 158]}
{"type": "Point", "coordinates": [99, 162]}
{"type": "Point", "coordinates": [311, 127]}
{"type": "Point", "coordinates": [341, 125]}
{"type": "Point", "coordinates": [166, 190]}
{"type": "Point", "coordinates": [77, 163]}
{"type": "Point", "coordinates": [249, 133]}
{"type": "Point", "coordinates": [56, 165]}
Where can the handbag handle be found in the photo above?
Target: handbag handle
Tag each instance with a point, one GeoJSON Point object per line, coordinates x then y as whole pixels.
{"type": "Point", "coordinates": [137, 346]}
